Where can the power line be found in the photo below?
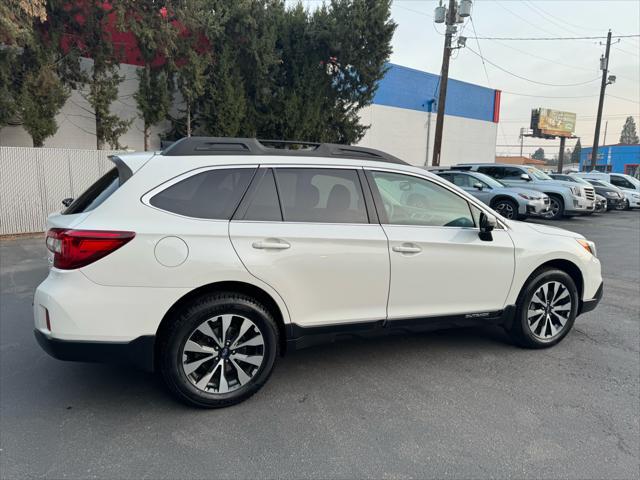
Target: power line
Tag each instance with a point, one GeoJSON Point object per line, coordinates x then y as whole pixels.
{"type": "Point", "coordinates": [522, 18]}
{"type": "Point", "coordinates": [555, 38]}
{"type": "Point", "coordinates": [528, 79]}
{"type": "Point", "coordinates": [484, 66]}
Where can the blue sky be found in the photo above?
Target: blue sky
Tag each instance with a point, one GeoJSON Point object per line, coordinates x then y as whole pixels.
{"type": "Point", "coordinates": [418, 43]}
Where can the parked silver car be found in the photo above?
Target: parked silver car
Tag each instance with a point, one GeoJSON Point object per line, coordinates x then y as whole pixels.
{"type": "Point", "coordinates": [510, 202]}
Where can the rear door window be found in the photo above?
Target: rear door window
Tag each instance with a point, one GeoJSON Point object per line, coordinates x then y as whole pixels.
{"type": "Point", "coordinates": [95, 194]}
{"type": "Point", "coordinates": [212, 195]}
{"type": "Point", "coordinates": [321, 195]}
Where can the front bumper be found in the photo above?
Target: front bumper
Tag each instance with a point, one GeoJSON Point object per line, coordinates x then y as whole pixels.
{"type": "Point", "coordinates": [538, 207]}
{"type": "Point", "coordinates": [580, 205]}
{"type": "Point", "coordinates": [613, 202]}
{"type": "Point", "coordinates": [138, 352]}
{"type": "Point", "coordinates": [589, 305]}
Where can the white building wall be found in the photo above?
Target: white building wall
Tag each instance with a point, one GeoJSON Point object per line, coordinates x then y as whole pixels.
{"type": "Point", "coordinates": [403, 133]}
{"type": "Point", "coordinates": [76, 123]}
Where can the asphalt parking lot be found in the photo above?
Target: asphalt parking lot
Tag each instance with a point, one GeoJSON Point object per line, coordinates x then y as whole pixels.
{"type": "Point", "coordinates": [456, 404]}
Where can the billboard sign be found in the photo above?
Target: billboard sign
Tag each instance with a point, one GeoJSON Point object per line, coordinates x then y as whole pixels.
{"type": "Point", "coordinates": [546, 122]}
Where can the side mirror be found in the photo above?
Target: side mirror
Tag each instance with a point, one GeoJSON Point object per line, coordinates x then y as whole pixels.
{"type": "Point", "coordinates": [525, 177]}
{"type": "Point", "coordinates": [487, 224]}
{"type": "Point", "coordinates": [477, 185]}
{"type": "Point", "coordinates": [67, 201]}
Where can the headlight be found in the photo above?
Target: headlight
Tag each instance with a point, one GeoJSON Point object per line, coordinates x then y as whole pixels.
{"type": "Point", "coordinates": [575, 191]}
{"type": "Point", "coordinates": [528, 197]}
{"type": "Point", "coordinates": [588, 245]}
{"type": "Point", "coordinates": [611, 194]}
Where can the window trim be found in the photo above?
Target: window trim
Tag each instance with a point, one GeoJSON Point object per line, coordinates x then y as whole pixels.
{"type": "Point", "coordinates": [471, 201]}
{"type": "Point", "coordinates": [146, 197]}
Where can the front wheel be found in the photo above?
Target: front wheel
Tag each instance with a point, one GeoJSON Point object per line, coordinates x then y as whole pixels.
{"type": "Point", "coordinates": [556, 207]}
{"type": "Point", "coordinates": [546, 309]}
{"type": "Point", "coordinates": [506, 208]}
{"type": "Point", "coordinates": [219, 351]}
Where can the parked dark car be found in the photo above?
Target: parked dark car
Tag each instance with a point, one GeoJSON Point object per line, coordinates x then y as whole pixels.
{"type": "Point", "coordinates": [615, 198]}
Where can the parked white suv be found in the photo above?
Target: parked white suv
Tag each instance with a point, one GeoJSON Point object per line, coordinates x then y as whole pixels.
{"type": "Point", "coordinates": [209, 260]}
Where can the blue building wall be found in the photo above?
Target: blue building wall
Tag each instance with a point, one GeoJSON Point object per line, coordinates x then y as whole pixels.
{"type": "Point", "coordinates": [405, 87]}
{"type": "Point", "coordinates": [613, 158]}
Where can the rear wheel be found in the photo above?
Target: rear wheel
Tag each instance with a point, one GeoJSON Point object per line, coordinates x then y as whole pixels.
{"type": "Point", "coordinates": [219, 351]}
{"type": "Point", "coordinates": [546, 309]}
{"type": "Point", "coordinates": [556, 207]}
{"type": "Point", "coordinates": [506, 208]}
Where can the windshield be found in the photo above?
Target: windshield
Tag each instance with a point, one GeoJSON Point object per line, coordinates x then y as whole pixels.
{"type": "Point", "coordinates": [579, 180]}
{"type": "Point", "coordinates": [539, 174]}
{"type": "Point", "coordinates": [492, 182]}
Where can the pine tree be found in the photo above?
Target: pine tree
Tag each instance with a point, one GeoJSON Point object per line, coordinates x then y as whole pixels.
{"type": "Point", "coordinates": [538, 154]}
{"type": "Point", "coordinates": [577, 150]}
{"type": "Point", "coordinates": [87, 27]}
{"type": "Point", "coordinates": [629, 135]}
{"type": "Point", "coordinates": [41, 96]}
{"type": "Point", "coordinates": [155, 36]}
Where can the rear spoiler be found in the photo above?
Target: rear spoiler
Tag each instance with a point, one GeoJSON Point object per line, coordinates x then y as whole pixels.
{"type": "Point", "coordinates": [129, 163]}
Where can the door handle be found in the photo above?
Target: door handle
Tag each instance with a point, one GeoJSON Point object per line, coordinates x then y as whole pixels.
{"type": "Point", "coordinates": [271, 245]}
{"type": "Point", "coordinates": [407, 248]}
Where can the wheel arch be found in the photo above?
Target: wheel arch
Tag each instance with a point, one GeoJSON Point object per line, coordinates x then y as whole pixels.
{"type": "Point", "coordinates": [503, 196]}
{"type": "Point", "coordinates": [229, 286]}
{"type": "Point", "coordinates": [564, 265]}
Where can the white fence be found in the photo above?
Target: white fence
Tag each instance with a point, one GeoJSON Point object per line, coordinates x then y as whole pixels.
{"type": "Point", "coordinates": [34, 181]}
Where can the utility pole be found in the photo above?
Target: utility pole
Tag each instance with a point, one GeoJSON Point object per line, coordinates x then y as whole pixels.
{"type": "Point", "coordinates": [521, 140]}
{"type": "Point", "coordinates": [606, 80]}
{"type": "Point", "coordinates": [561, 154]}
{"type": "Point", "coordinates": [452, 15]}
{"type": "Point", "coordinates": [604, 138]}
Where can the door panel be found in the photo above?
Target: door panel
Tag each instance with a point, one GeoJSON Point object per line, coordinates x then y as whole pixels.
{"type": "Point", "coordinates": [439, 264]}
{"type": "Point", "coordinates": [330, 273]}
{"type": "Point", "coordinates": [321, 254]}
{"type": "Point", "coordinates": [454, 271]}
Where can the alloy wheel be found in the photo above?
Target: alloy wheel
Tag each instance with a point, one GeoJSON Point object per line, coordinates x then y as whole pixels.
{"type": "Point", "coordinates": [549, 310]}
{"type": "Point", "coordinates": [505, 209]}
{"type": "Point", "coordinates": [223, 353]}
{"type": "Point", "coordinates": [554, 207]}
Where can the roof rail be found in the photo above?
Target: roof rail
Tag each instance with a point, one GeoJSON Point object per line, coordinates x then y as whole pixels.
{"type": "Point", "coordinates": [253, 146]}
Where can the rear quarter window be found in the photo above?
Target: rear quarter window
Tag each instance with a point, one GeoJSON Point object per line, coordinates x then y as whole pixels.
{"type": "Point", "coordinates": [96, 193]}
{"type": "Point", "coordinates": [213, 195]}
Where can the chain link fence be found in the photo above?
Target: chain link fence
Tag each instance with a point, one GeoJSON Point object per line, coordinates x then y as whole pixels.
{"type": "Point", "coordinates": [34, 181]}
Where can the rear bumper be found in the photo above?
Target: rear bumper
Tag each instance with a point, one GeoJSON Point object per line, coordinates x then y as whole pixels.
{"type": "Point", "coordinates": [589, 305]}
{"type": "Point", "coordinates": [138, 352]}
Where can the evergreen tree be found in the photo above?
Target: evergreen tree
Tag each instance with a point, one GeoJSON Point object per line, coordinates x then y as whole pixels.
{"type": "Point", "coordinates": [41, 96]}
{"type": "Point", "coordinates": [155, 35]}
{"type": "Point", "coordinates": [87, 25]}
{"type": "Point", "coordinates": [153, 98]}
{"type": "Point", "coordinates": [31, 93]}
{"type": "Point", "coordinates": [575, 154]}
{"type": "Point", "coordinates": [538, 154]}
{"type": "Point", "coordinates": [629, 135]}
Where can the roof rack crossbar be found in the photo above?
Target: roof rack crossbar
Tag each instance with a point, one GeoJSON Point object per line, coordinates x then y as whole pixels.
{"type": "Point", "coordinates": [251, 146]}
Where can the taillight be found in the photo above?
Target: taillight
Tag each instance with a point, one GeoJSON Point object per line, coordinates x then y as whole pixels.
{"type": "Point", "coordinates": [78, 248]}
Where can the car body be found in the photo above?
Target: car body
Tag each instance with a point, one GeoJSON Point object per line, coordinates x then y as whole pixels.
{"type": "Point", "coordinates": [208, 260]}
{"type": "Point", "coordinates": [615, 197]}
{"type": "Point", "coordinates": [629, 185]}
{"type": "Point", "coordinates": [567, 198]}
{"type": "Point", "coordinates": [514, 203]}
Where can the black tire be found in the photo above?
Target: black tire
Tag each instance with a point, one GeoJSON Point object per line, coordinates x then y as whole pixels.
{"type": "Point", "coordinates": [184, 325]}
{"type": "Point", "coordinates": [521, 332]}
{"type": "Point", "coordinates": [507, 208]}
{"type": "Point", "coordinates": [556, 207]}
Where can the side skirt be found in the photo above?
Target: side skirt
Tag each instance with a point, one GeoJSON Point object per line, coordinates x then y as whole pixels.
{"type": "Point", "coordinates": [299, 337]}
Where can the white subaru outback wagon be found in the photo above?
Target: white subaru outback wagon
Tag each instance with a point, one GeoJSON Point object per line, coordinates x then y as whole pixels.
{"type": "Point", "coordinates": [209, 260]}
